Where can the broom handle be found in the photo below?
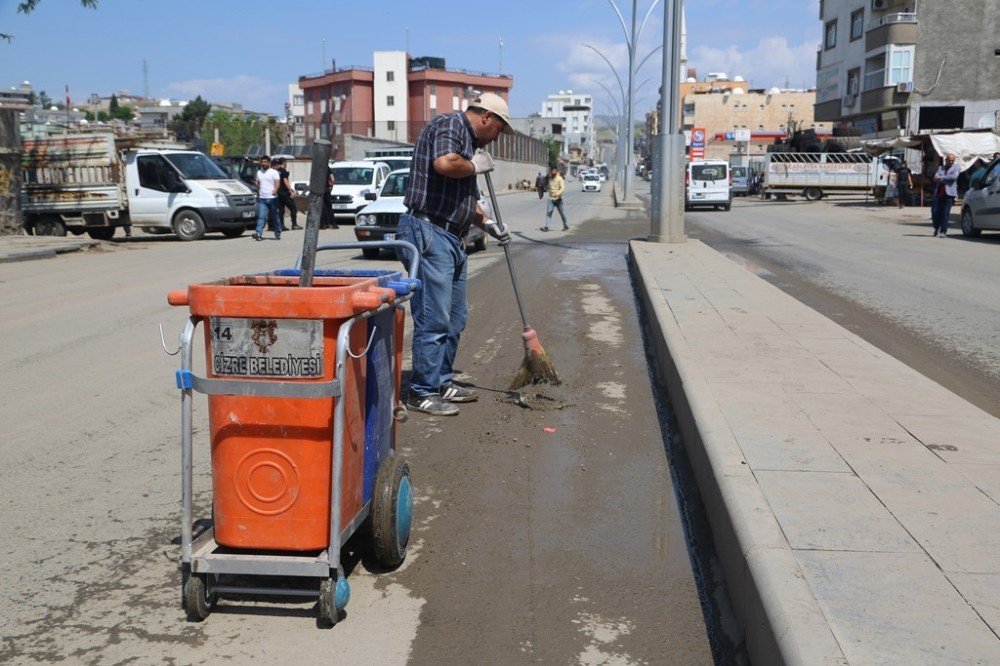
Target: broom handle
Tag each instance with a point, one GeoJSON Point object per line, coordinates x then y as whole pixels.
{"type": "Point", "coordinates": [506, 250]}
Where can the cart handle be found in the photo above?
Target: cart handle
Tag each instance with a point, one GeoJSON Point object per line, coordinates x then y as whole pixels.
{"type": "Point", "coordinates": [360, 245]}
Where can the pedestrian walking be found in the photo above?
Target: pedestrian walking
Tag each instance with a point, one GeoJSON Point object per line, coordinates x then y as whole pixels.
{"type": "Point", "coordinates": [541, 184]}
{"type": "Point", "coordinates": [266, 181]}
{"type": "Point", "coordinates": [286, 196]}
{"type": "Point", "coordinates": [557, 187]}
{"type": "Point", "coordinates": [945, 191]}
{"type": "Point", "coordinates": [904, 185]}
{"type": "Point", "coordinates": [891, 193]}
{"type": "Point", "coordinates": [442, 204]}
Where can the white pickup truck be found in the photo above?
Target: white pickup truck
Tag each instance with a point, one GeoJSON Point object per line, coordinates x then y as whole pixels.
{"type": "Point", "coordinates": [816, 175]}
{"type": "Point", "coordinates": [91, 183]}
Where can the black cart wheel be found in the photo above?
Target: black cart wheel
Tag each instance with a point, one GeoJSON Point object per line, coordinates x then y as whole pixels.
{"type": "Point", "coordinates": [333, 598]}
{"type": "Point", "coordinates": [233, 233]}
{"type": "Point", "coordinates": [199, 598]}
{"type": "Point", "coordinates": [371, 252]}
{"type": "Point", "coordinates": [392, 511]}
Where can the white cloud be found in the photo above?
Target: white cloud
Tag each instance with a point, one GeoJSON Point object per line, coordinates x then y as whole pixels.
{"type": "Point", "coordinates": [254, 93]}
{"type": "Point", "coordinates": [769, 63]}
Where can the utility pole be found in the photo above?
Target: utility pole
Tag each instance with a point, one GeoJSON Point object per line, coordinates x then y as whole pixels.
{"type": "Point", "coordinates": [667, 223]}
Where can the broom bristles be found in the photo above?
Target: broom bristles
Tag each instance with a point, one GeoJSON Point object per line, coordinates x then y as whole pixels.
{"type": "Point", "coordinates": [537, 366]}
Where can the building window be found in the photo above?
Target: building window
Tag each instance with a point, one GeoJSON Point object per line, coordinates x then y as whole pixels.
{"type": "Point", "coordinates": [297, 100]}
{"type": "Point", "coordinates": [390, 76]}
{"type": "Point", "coordinates": [736, 107]}
{"type": "Point", "coordinates": [854, 81]}
{"type": "Point", "coordinates": [434, 89]}
{"type": "Point", "coordinates": [875, 72]}
{"type": "Point", "coordinates": [830, 40]}
{"type": "Point", "coordinates": [900, 65]}
{"type": "Point", "coordinates": [454, 91]}
{"type": "Point", "coordinates": [390, 125]}
{"type": "Point", "coordinates": [760, 128]}
{"type": "Point", "coordinates": [857, 24]}
{"type": "Point", "coordinates": [744, 107]}
{"type": "Point", "coordinates": [309, 107]}
{"type": "Point", "coordinates": [390, 101]}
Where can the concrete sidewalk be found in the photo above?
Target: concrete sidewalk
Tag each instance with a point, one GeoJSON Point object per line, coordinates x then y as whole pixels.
{"type": "Point", "coordinates": [26, 248]}
{"type": "Point", "coordinates": [855, 504]}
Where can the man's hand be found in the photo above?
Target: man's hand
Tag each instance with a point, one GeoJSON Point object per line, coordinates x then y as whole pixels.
{"type": "Point", "coordinates": [498, 230]}
{"type": "Point", "coordinates": [483, 162]}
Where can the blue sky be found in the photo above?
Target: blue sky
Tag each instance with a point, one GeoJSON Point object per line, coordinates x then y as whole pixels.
{"type": "Point", "coordinates": [249, 51]}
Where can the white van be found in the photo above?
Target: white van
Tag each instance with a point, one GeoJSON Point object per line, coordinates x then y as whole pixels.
{"type": "Point", "coordinates": [707, 183]}
{"type": "Point", "coordinates": [351, 182]}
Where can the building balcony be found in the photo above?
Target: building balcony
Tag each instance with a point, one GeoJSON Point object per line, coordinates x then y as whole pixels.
{"type": "Point", "coordinates": [892, 29]}
{"type": "Point", "coordinates": [828, 111]}
{"type": "Point", "coordinates": [882, 99]}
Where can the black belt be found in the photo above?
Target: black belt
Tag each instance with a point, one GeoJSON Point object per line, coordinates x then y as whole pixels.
{"type": "Point", "coordinates": [452, 228]}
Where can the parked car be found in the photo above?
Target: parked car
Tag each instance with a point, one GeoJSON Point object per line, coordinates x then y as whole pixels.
{"type": "Point", "coordinates": [706, 184]}
{"type": "Point", "coordinates": [351, 182]}
{"type": "Point", "coordinates": [379, 219]}
{"type": "Point", "coordinates": [740, 180]}
{"type": "Point", "coordinates": [591, 182]}
{"type": "Point", "coordinates": [394, 163]}
{"type": "Point", "coordinates": [981, 208]}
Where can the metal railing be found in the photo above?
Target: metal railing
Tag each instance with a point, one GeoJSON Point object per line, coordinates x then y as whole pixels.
{"type": "Point", "coordinates": [889, 19]}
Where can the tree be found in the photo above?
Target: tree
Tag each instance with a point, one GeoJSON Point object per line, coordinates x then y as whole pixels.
{"type": "Point", "coordinates": [238, 133]}
{"type": "Point", "coordinates": [28, 6]}
{"type": "Point", "coordinates": [188, 124]}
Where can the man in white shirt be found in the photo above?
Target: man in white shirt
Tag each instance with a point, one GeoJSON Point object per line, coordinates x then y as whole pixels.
{"type": "Point", "coordinates": [267, 181]}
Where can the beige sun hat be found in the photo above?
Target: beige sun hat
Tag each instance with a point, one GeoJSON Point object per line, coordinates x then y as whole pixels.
{"type": "Point", "coordinates": [496, 105]}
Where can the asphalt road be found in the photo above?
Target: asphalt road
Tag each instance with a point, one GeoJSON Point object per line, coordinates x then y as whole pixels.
{"type": "Point", "coordinates": [930, 302]}
{"type": "Point", "coordinates": [549, 535]}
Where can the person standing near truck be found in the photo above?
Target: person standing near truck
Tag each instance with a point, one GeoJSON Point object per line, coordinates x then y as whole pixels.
{"type": "Point", "coordinates": [904, 185]}
{"type": "Point", "coordinates": [945, 191]}
{"type": "Point", "coordinates": [442, 204]}
{"type": "Point", "coordinates": [267, 181]}
{"type": "Point", "coordinates": [286, 196]}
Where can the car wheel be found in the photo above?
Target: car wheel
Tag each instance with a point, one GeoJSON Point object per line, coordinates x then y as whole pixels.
{"type": "Point", "coordinates": [968, 224]}
{"type": "Point", "coordinates": [813, 194]}
{"type": "Point", "coordinates": [727, 207]}
{"type": "Point", "coordinates": [188, 225]}
{"type": "Point", "coordinates": [49, 225]}
{"type": "Point", "coordinates": [101, 233]}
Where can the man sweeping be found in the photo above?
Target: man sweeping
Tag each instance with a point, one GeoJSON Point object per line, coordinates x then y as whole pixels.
{"type": "Point", "coordinates": [442, 205]}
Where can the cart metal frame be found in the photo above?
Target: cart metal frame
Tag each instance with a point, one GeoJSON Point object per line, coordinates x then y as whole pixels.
{"type": "Point", "coordinates": [199, 553]}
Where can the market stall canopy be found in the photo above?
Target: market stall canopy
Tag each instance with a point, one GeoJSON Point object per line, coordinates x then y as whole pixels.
{"type": "Point", "coordinates": [969, 147]}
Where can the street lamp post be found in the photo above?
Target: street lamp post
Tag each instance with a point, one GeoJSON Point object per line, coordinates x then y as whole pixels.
{"type": "Point", "coordinates": [667, 223]}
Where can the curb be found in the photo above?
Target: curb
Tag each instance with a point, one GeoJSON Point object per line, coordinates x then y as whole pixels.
{"type": "Point", "coordinates": [780, 618]}
{"type": "Point", "coordinates": [31, 253]}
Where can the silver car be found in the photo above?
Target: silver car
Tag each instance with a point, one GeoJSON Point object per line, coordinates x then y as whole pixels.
{"type": "Point", "coordinates": [981, 208]}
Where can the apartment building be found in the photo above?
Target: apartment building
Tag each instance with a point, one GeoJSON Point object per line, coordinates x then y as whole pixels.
{"type": "Point", "coordinates": [295, 112]}
{"type": "Point", "coordinates": [390, 101]}
{"type": "Point", "coordinates": [578, 130]}
{"type": "Point", "coordinates": [891, 67]}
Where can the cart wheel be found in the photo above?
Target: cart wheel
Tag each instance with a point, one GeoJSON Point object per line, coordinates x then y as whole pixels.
{"type": "Point", "coordinates": [198, 598]}
{"type": "Point", "coordinates": [333, 599]}
{"type": "Point", "coordinates": [392, 511]}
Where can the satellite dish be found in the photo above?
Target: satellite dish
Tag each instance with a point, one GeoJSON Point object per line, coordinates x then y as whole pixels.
{"type": "Point", "coordinates": [738, 79]}
{"type": "Point", "coordinates": [739, 91]}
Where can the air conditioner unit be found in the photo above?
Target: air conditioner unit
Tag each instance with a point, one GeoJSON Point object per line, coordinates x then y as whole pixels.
{"type": "Point", "coordinates": [849, 100]}
{"type": "Point", "coordinates": [905, 87]}
{"type": "Point", "coordinates": [880, 4]}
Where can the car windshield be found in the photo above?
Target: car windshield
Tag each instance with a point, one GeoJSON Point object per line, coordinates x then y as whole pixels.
{"type": "Point", "coordinates": [739, 172]}
{"type": "Point", "coordinates": [708, 172]}
{"type": "Point", "coordinates": [396, 162]}
{"type": "Point", "coordinates": [591, 176]}
{"type": "Point", "coordinates": [195, 166]}
{"type": "Point", "coordinates": [352, 175]}
{"type": "Point", "coordinates": [395, 185]}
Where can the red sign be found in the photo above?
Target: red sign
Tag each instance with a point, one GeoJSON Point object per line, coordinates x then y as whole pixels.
{"type": "Point", "coordinates": [698, 138]}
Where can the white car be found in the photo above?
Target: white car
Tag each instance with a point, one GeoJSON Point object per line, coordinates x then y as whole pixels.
{"type": "Point", "coordinates": [378, 220]}
{"type": "Point", "coordinates": [591, 182]}
{"type": "Point", "coordinates": [351, 182]}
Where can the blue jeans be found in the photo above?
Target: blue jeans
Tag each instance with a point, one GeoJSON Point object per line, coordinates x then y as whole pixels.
{"type": "Point", "coordinates": [267, 211]}
{"type": "Point", "coordinates": [439, 307]}
{"type": "Point", "coordinates": [941, 210]}
{"type": "Point", "coordinates": [556, 204]}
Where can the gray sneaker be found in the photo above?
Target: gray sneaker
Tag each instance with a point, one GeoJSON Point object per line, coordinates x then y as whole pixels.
{"type": "Point", "coordinates": [432, 403]}
{"type": "Point", "coordinates": [454, 393]}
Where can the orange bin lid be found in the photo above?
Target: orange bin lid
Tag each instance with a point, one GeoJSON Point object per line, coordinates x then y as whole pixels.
{"type": "Point", "coordinates": [281, 297]}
